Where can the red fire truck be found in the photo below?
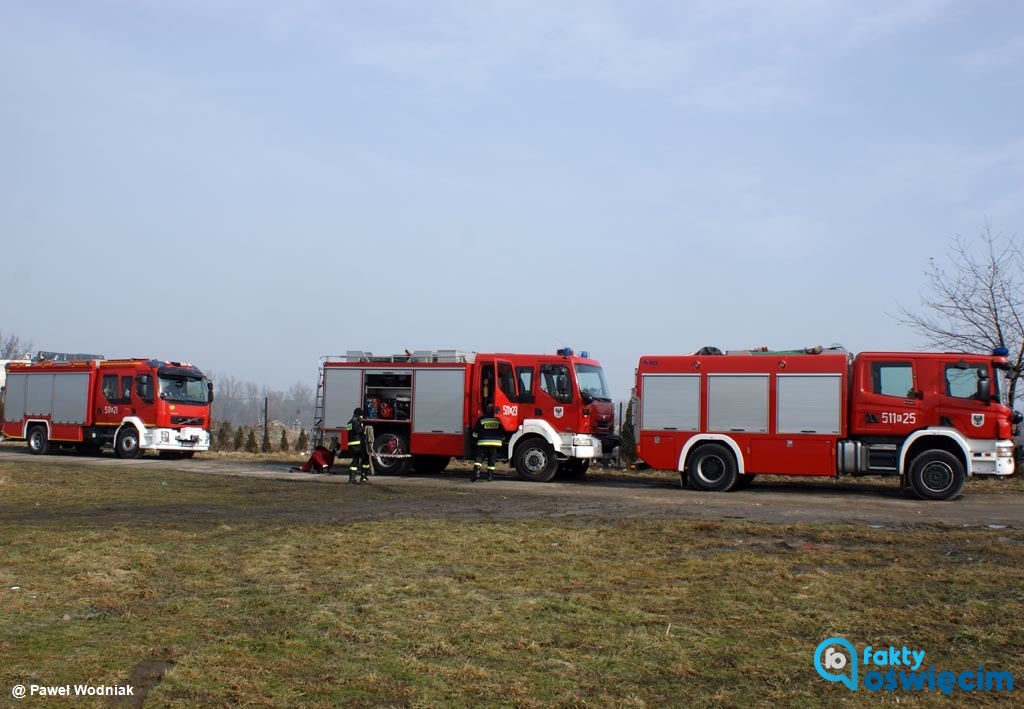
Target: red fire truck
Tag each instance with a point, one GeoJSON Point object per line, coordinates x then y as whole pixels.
{"type": "Point", "coordinates": [131, 405]}
{"type": "Point", "coordinates": [721, 419]}
{"type": "Point", "coordinates": [555, 408]}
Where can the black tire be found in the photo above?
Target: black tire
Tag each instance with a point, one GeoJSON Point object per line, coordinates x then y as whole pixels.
{"type": "Point", "coordinates": [937, 475]}
{"type": "Point", "coordinates": [574, 468]}
{"type": "Point", "coordinates": [393, 443]}
{"type": "Point", "coordinates": [535, 460]}
{"type": "Point", "coordinates": [127, 444]}
{"type": "Point", "coordinates": [38, 440]}
{"type": "Point", "coordinates": [743, 480]}
{"type": "Point", "coordinates": [430, 464]}
{"type": "Point", "coordinates": [712, 468]}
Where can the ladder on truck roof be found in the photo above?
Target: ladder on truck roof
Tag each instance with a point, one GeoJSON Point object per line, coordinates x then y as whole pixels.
{"type": "Point", "coordinates": [407, 356]}
{"type": "Point", "coordinates": [802, 350]}
{"type": "Point", "coordinates": [43, 356]}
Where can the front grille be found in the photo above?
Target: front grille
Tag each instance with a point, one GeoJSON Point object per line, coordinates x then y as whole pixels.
{"type": "Point", "coordinates": [187, 420]}
{"type": "Point", "coordinates": [602, 425]}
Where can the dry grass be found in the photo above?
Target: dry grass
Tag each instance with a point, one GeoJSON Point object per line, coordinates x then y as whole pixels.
{"type": "Point", "coordinates": [101, 570]}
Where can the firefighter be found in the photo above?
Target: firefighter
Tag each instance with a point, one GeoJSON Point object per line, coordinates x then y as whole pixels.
{"type": "Point", "coordinates": [488, 435]}
{"type": "Point", "coordinates": [320, 461]}
{"type": "Point", "coordinates": [360, 456]}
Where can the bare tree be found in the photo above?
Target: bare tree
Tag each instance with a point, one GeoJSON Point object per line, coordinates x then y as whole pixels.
{"type": "Point", "coordinates": [11, 347]}
{"type": "Point", "coordinates": [242, 402]}
{"type": "Point", "coordinates": [976, 303]}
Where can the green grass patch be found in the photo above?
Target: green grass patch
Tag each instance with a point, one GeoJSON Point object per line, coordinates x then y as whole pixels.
{"type": "Point", "coordinates": [281, 594]}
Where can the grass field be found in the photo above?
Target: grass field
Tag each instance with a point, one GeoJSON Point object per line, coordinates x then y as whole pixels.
{"type": "Point", "coordinates": [196, 588]}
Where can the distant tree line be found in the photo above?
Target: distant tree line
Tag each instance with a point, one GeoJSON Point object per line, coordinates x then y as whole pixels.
{"type": "Point", "coordinates": [242, 403]}
{"type": "Point", "coordinates": [227, 437]}
{"type": "Point", "coordinates": [238, 416]}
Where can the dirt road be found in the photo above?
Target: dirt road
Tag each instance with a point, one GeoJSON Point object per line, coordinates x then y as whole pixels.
{"type": "Point", "coordinates": [612, 494]}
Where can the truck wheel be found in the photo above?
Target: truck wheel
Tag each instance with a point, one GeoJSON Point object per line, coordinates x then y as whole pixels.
{"type": "Point", "coordinates": [937, 475]}
{"type": "Point", "coordinates": [574, 468]}
{"type": "Point", "coordinates": [535, 460]}
{"type": "Point", "coordinates": [394, 444]}
{"type": "Point", "coordinates": [713, 468]}
{"type": "Point", "coordinates": [128, 443]}
{"type": "Point", "coordinates": [430, 464]}
{"type": "Point", "coordinates": [38, 440]}
{"type": "Point", "coordinates": [743, 480]}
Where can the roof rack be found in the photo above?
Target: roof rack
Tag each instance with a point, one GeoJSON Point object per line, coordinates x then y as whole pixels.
{"type": "Point", "coordinates": [43, 356]}
{"type": "Point", "coordinates": [803, 350]}
{"type": "Point", "coordinates": [416, 356]}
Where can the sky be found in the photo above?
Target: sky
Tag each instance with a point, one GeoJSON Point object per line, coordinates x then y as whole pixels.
{"type": "Point", "coordinates": [250, 185]}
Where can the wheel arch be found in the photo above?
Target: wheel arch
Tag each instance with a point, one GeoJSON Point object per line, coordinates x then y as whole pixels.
{"type": "Point", "coordinates": [534, 428]}
{"type": "Point", "coordinates": [520, 440]}
{"type": "Point", "coordinates": [37, 436]}
{"type": "Point", "coordinates": [921, 441]}
{"type": "Point", "coordinates": [697, 441]}
{"type": "Point", "coordinates": [32, 423]}
{"type": "Point", "coordinates": [136, 423]}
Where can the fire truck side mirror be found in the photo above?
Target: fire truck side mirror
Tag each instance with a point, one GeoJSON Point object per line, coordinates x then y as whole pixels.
{"type": "Point", "coordinates": [209, 390]}
{"type": "Point", "coordinates": [144, 387]}
{"type": "Point", "coordinates": [984, 393]}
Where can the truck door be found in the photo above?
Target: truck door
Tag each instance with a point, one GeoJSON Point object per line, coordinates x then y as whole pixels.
{"type": "Point", "coordinates": [555, 396]}
{"type": "Point", "coordinates": [115, 399]}
{"type": "Point", "coordinates": [497, 386]}
{"type": "Point", "coordinates": [506, 397]}
{"type": "Point", "coordinates": [887, 401]}
{"type": "Point", "coordinates": [961, 399]}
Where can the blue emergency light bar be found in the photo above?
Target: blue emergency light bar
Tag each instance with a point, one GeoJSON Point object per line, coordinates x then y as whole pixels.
{"type": "Point", "coordinates": [1000, 352]}
{"type": "Point", "coordinates": [567, 352]}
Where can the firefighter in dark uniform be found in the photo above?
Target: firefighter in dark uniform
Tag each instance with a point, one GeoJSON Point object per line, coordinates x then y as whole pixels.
{"type": "Point", "coordinates": [360, 456]}
{"type": "Point", "coordinates": [488, 435]}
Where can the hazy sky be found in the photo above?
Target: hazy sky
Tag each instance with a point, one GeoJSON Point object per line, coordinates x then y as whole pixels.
{"type": "Point", "coordinates": [252, 184]}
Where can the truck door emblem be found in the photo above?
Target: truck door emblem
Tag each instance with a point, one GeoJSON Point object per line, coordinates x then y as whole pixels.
{"type": "Point", "coordinates": [558, 410]}
{"type": "Point", "coordinates": [977, 420]}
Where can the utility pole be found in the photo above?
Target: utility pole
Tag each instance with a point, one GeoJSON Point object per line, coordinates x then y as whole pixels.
{"type": "Point", "coordinates": [266, 430]}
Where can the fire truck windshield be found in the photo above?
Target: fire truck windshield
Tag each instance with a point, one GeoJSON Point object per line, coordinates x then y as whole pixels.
{"type": "Point", "coordinates": [592, 384]}
{"type": "Point", "coordinates": [185, 390]}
